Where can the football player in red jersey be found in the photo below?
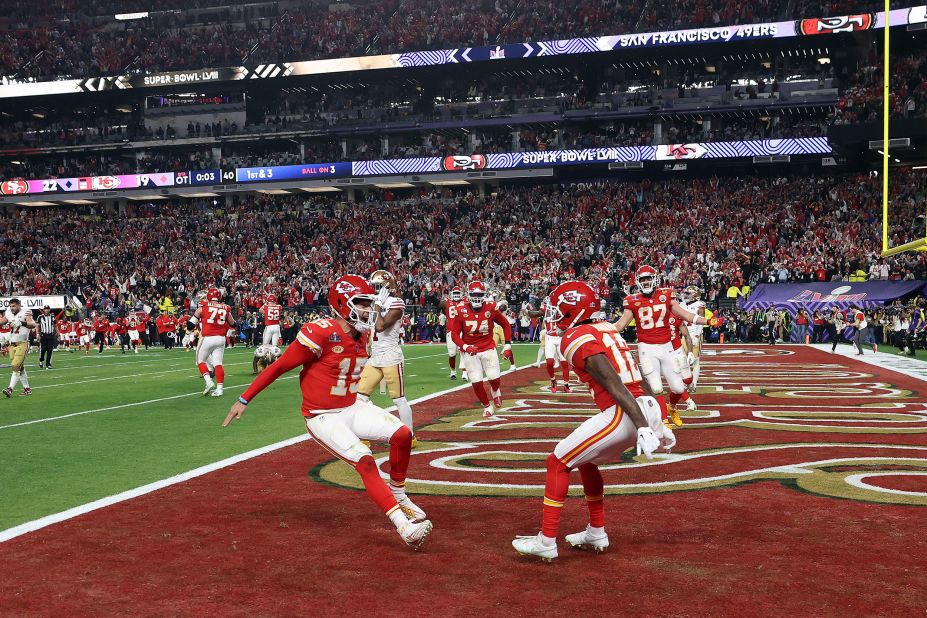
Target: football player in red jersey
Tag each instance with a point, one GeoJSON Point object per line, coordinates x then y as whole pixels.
{"type": "Point", "coordinates": [84, 330]}
{"type": "Point", "coordinates": [332, 354]}
{"type": "Point", "coordinates": [118, 330]}
{"type": "Point", "coordinates": [101, 329]}
{"type": "Point", "coordinates": [471, 331]}
{"type": "Point", "coordinates": [65, 334]}
{"type": "Point", "coordinates": [651, 310]}
{"type": "Point", "coordinates": [133, 326]}
{"type": "Point", "coordinates": [272, 313]}
{"type": "Point", "coordinates": [602, 359]}
{"type": "Point", "coordinates": [215, 318]}
{"type": "Point", "coordinates": [451, 306]}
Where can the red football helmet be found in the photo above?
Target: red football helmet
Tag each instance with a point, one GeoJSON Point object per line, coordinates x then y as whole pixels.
{"type": "Point", "coordinates": [571, 303]}
{"type": "Point", "coordinates": [476, 294]}
{"type": "Point", "coordinates": [213, 295]}
{"type": "Point", "coordinates": [272, 298]}
{"type": "Point", "coordinates": [456, 294]}
{"type": "Point", "coordinates": [647, 279]}
{"type": "Point", "coordinates": [352, 297]}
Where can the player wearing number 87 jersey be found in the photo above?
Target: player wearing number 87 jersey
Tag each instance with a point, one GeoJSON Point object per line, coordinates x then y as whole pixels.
{"type": "Point", "coordinates": [332, 354]}
{"type": "Point", "coordinates": [215, 319]}
{"type": "Point", "coordinates": [651, 310]}
{"type": "Point", "coordinates": [602, 359]}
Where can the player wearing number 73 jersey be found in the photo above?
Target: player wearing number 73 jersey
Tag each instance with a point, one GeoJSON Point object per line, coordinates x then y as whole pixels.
{"type": "Point", "coordinates": [215, 319]}
{"type": "Point", "coordinates": [651, 310]}
{"type": "Point", "coordinates": [602, 359]}
{"type": "Point", "coordinates": [332, 354]}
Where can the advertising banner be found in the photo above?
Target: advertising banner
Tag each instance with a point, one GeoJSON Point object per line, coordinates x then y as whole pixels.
{"type": "Point", "coordinates": [814, 296]}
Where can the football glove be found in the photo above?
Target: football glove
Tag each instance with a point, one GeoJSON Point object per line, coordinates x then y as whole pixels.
{"type": "Point", "coordinates": [507, 353]}
{"type": "Point", "coordinates": [647, 442]}
{"type": "Point", "coordinates": [690, 357]}
{"type": "Point", "coordinates": [383, 297]}
{"type": "Point", "coordinates": [667, 439]}
{"type": "Point", "coordinates": [469, 349]}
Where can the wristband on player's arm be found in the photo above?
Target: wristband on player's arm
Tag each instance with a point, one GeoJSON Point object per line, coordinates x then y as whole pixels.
{"type": "Point", "coordinates": [243, 401]}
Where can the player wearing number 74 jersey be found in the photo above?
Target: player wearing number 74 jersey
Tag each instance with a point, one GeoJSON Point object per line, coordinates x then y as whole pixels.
{"type": "Point", "coordinates": [602, 359]}
{"type": "Point", "coordinates": [332, 354]}
{"type": "Point", "coordinates": [215, 319]}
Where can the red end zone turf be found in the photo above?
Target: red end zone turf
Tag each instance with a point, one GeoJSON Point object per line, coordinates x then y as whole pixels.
{"type": "Point", "coordinates": [796, 489]}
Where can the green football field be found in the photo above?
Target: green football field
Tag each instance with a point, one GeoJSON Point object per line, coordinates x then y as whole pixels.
{"type": "Point", "coordinates": [105, 423]}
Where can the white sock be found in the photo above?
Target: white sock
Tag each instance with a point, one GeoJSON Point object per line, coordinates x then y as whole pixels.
{"type": "Point", "coordinates": [405, 411]}
{"type": "Point", "coordinates": [399, 519]}
{"type": "Point", "coordinates": [14, 379]}
{"type": "Point", "coordinates": [540, 353]}
{"type": "Point", "coordinates": [24, 378]}
{"type": "Point", "coordinates": [208, 378]}
{"type": "Point", "coordinates": [496, 393]}
{"type": "Point", "coordinates": [548, 541]}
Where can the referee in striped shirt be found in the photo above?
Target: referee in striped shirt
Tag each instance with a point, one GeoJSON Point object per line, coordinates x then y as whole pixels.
{"type": "Point", "coordinates": [47, 337]}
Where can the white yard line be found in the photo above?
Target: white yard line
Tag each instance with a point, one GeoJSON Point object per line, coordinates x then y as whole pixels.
{"type": "Point", "coordinates": [48, 520]}
{"type": "Point", "coordinates": [905, 365]}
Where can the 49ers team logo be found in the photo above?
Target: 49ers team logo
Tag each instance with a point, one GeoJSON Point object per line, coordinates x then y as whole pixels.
{"type": "Point", "coordinates": [830, 25]}
{"type": "Point", "coordinates": [17, 186]}
{"type": "Point", "coordinates": [457, 163]}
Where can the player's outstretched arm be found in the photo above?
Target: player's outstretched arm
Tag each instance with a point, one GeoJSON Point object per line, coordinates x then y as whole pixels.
{"type": "Point", "coordinates": [687, 315]}
{"type": "Point", "coordinates": [624, 320]}
{"type": "Point", "coordinates": [295, 355]}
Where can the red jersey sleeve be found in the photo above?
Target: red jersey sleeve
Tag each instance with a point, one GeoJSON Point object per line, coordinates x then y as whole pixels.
{"type": "Point", "coordinates": [577, 345]}
{"type": "Point", "coordinates": [453, 327]}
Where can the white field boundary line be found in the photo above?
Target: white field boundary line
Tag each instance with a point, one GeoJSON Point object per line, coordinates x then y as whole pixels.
{"type": "Point", "coordinates": [77, 511]}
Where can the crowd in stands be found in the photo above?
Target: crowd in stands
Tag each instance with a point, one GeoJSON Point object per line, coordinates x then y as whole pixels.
{"type": "Point", "coordinates": [719, 234]}
{"type": "Point", "coordinates": [83, 47]}
{"type": "Point", "coordinates": [861, 100]}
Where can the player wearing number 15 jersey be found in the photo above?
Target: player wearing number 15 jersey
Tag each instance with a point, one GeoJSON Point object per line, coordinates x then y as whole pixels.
{"type": "Point", "coordinates": [472, 331]}
{"type": "Point", "coordinates": [651, 310]}
{"type": "Point", "coordinates": [332, 354]}
{"type": "Point", "coordinates": [215, 319]}
{"type": "Point", "coordinates": [602, 359]}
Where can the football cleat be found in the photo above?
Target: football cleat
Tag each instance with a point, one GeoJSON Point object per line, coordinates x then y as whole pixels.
{"type": "Point", "coordinates": [414, 534]}
{"type": "Point", "coordinates": [566, 388]}
{"type": "Point", "coordinates": [553, 386]}
{"type": "Point", "coordinates": [487, 411]}
{"type": "Point", "coordinates": [8, 391]}
{"type": "Point", "coordinates": [414, 442]}
{"type": "Point", "coordinates": [25, 392]}
{"type": "Point", "coordinates": [465, 378]}
{"type": "Point", "coordinates": [210, 387]}
{"type": "Point", "coordinates": [497, 401]}
{"type": "Point", "coordinates": [586, 540]}
{"type": "Point", "coordinates": [217, 392]}
{"type": "Point", "coordinates": [668, 423]}
{"type": "Point", "coordinates": [453, 376]}
{"type": "Point", "coordinates": [690, 405]}
{"type": "Point", "coordinates": [410, 509]}
{"type": "Point", "coordinates": [533, 546]}
{"type": "Point", "coordinates": [674, 417]}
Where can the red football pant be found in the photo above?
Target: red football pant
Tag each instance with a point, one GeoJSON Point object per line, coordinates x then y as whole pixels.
{"type": "Point", "coordinates": [550, 368]}
{"type": "Point", "coordinates": [674, 398]}
{"type": "Point", "coordinates": [220, 374]}
{"type": "Point", "coordinates": [566, 370]}
{"type": "Point", "coordinates": [373, 483]}
{"type": "Point", "coordinates": [496, 384]}
{"type": "Point", "coordinates": [480, 389]}
{"type": "Point", "coordinates": [594, 488]}
{"type": "Point", "coordinates": [203, 368]}
{"type": "Point", "coordinates": [400, 449]}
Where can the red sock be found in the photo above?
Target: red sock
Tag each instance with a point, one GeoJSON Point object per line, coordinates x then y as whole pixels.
{"type": "Point", "coordinates": [593, 488]}
{"type": "Point", "coordinates": [662, 401]}
{"type": "Point", "coordinates": [550, 368]}
{"type": "Point", "coordinates": [566, 370]}
{"type": "Point", "coordinates": [452, 361]}
{"type": "Point", "coordinates": [203, 368]}
{"type": "Point", "coordinates": [480, 391]}
{"type": "Point", "coordinates": [674, 398]}
{"type": "Point", "coordinates": [220, 374]}
{"type": "Point", "coordinates": [495, 384]}
{"type": "Point", "coordinates": [87, 347]}
{"type": "Point", "coordinates": [684, 397]}
{"type": "Point", "coordinates": [400, 446]}
{"type": "Point", "coordinates": [376, 488]}
{"type": "Point", "coordinates": [555, 492]}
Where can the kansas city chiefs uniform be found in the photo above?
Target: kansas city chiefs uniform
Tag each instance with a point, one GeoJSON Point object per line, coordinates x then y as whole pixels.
{"type": "Point", "coordinates": [652, 314]}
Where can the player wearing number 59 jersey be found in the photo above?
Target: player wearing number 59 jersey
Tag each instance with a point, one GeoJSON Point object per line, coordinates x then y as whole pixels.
{"type": "Point", "coordinates": [472, 332]}
{"type": "Point", "coordinates": [602, 359]}
{"type": "Point", "coordinates": [332, 354]}
{"type": "Point", "coordinates": [215, 319]}
{"type": "Point", "coordinates": [651, 310]}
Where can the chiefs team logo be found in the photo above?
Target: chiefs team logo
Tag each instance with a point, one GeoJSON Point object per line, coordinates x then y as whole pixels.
{"type": "Point", "coordinates": [346, 287]}
{"type": "Point", "coordinates": [14, 187]}
{"type": "Point", "coordinates": [830, 25]}
{"type": "Point", "coordinates": [486, 315]}
{"type": "Point", "coordinates": [105, 182]}
{"type": "Point", "coordinates": [457, 163]}
{"type": "Point", "coordinates": [662, 298]}
{"type": "Point", "coordinates": [677, 152]}
{"type": "Point", "coordinates": [337, 349]}
{"type": "Point", "coordinates": [570, 297]}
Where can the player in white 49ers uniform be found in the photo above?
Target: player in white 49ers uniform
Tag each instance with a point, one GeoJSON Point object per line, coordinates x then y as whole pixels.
{"type": "Point", "coordinates": [472, 332]}
{"type": "Point", "coordinates": [272, 313]}
{"type": "Point", "coordinates": [214, 318]}
{"type": "Point", "coordinates": [602, 359]}
{"type": "Point", "coordinates": [692, 301]}
{"type": "Point", "coordinates": [651, 310]}
{"type": "Point", "coordinates": [386, 359]}
{"type": "Point", "coordinates": [332, 354]}
{"type": "Point", "coordinates": [451, 307]}
{"type": "Point", "coordinates": [551, 343]}
{"type": "Point", "coordinates": [20, 322]}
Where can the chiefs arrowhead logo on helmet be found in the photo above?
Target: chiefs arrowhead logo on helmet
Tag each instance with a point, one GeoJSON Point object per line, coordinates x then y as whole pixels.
{"type": "Point", "coordinates": [571, 303]}
{"type": "Point", "coordinates": [213, 295]}
{"type": "Point", "coordinates": [351, 298]}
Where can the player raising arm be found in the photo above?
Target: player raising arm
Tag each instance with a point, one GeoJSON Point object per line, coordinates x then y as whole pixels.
{"type": "Point", "coordinates": [471, 331]}
{"type": "Point", "coordinates": [602, 359]}
{"type": "Point", "coordinates": [332, 354]}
